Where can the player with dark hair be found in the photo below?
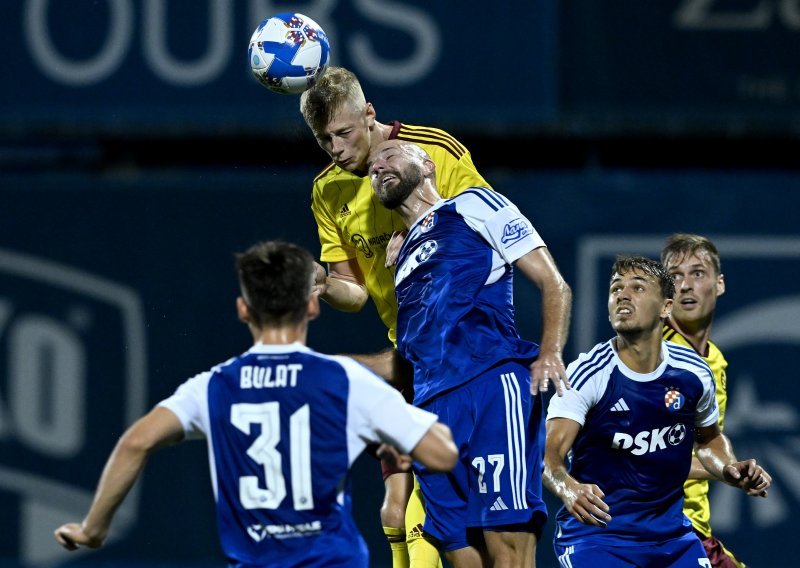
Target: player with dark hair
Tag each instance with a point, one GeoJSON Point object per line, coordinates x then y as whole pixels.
{"type": "Point", "coordinates": [283, 425]}
{"type": "Point", "coordinates": [637, 408]}
{"type": "Point", "coordinates": [694, 263]}
{"type": "Point", "coordinates": [354, 231]}
{"type": "Point", "coordinates": [456, 326]}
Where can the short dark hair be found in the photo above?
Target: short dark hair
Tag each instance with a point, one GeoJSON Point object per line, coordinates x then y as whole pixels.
{"type": "Point", "coordinates": [276, 280]}
{"type": "Point", "coordinates": [687, 244]}
{"type": "Point", "coordinates": [627, 263]}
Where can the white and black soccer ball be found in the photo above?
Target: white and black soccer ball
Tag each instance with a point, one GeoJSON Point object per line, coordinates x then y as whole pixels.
{"type": "Point", "coordinates": [288, 53]}
{"type": "Point", "coordinates": [676, 434]}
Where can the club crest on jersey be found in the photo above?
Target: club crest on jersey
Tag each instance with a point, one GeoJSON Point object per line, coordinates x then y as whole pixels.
{"type": "Point", "coordinates": [426, 250]}
{"type": "Point", "coordinates": [515, 230]}
{"type": "Point", "coordinates": [674, 400]}
{"type": "Point", "coordinates": [428, 222]}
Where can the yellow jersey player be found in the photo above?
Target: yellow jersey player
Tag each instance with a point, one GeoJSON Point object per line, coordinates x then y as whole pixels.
{"type": "Point", "coordinates": [354, 231]}
{"type": "Point", "coordinates": [693, 261]}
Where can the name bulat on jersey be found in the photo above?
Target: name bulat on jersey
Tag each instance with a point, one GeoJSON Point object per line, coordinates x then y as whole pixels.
{"type": "Point", "coordinates": [257, 377]}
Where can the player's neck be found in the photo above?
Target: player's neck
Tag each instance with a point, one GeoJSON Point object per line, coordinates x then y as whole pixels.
{"type": "Point", "coordinates": [641, 353]}
{"type": "Point", "coordinates": [380, 133]}
{"type": "Point", "coordinates": [282, 335]}
{"type": "Point", "coordinates": [696, 333]}
{"type": "Point", "coordinates": [418, 203]}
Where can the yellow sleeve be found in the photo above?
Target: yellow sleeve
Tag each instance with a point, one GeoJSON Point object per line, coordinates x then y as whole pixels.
{"type": "Point", "coordinates": [458, 175]}
{"type": "Point", "coordinates": [333, 246]}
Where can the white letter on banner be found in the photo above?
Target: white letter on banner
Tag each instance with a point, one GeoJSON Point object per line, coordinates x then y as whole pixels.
{"type": "Point", "coordinates": [417, 23]}
{"type": "Point", "coordinates": [78, 73]}
{"type": "Point", "coordinates": [182, 73]}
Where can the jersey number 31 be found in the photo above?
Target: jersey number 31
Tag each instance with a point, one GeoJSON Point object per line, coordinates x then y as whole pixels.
{"type": "Point", "coordinates": [263, 451]}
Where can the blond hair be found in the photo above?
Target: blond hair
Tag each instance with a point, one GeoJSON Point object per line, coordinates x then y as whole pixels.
{"type": "Point", "coordinates": [336, 88]}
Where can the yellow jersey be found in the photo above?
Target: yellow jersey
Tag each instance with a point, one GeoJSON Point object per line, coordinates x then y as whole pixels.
{"type": "Point", "coordinates": [695, 491]}
{"type": "Point", "coordinates": [353, 224]}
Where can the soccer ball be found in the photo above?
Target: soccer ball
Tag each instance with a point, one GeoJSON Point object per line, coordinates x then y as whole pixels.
{"type": "Point", "coordinates": [288, 53]}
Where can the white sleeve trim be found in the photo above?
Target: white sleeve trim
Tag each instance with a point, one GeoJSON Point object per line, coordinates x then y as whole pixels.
{"type": "Point", "coordinates": [499, 222]}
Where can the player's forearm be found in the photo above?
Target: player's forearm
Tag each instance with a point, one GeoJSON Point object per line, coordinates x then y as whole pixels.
{"type": "Point", "coordinates": [344, 295]}
{"type": "Point", "coordinates": [715, 454]}
{"type": "Point", "coordinates": [556, 478]}
{"type": "Point", "coordinates": [120, 473]}
{"type": "Point", "coordinates": [556, 310]}
{"type": "Point", "coordinates": [698, 470]}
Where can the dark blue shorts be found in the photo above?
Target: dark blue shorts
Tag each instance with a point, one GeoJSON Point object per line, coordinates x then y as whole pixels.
{"type": "Point", "coordinates": [683, 552]}
{"type": "Point", "coordinates": [497, 485]}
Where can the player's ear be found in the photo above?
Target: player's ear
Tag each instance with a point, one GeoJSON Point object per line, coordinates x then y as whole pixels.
{"type": "Point", "coordinates": [242, 310]}
{"type": "Point", "coordinates": [720, 285]}
{"type": "Point", "coordinates": [313, 305]}
{"type": "Point", "coordinates": [428, 167]}
{"type": "Point", "coordinates": [369, 114]}
{"type": "Point", "coordinates": [666, 309]}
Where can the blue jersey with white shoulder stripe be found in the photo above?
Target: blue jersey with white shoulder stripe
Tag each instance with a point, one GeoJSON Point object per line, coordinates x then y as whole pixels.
{"type": "Point", "coordinates": [636, 440]}
{"type": "Point", "coordinates": [454, 290]}
{"type": "Point", "coordinates": [283, 426]}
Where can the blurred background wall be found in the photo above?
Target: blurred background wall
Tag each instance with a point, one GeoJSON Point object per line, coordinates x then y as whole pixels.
{"type": "Point", "coordinates": [137, 155]}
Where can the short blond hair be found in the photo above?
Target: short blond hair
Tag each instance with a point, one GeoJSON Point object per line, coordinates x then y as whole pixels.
{"type": "Point", "coordinates": [336, 88]}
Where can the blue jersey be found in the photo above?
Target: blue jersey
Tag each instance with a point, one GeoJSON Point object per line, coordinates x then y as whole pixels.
{"type": "Point", "coordinates": [454, 290]}
{"type": "Point", "coordinates": [636, 440]}
{"type": "Point", "coordinates": [283, 425]}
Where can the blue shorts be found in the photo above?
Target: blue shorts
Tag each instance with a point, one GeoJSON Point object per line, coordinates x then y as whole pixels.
{"type": "Point", "coordinates": [683, 552]}
{"type": "Point", "coordinates": [498, 427]}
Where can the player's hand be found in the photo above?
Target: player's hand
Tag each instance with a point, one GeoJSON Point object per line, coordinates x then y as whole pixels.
{"type": "Point", "coordinates": [748, 476]}
{"type": "Point", "coordinates": [396, 459]}
{"type": "Point", "coordinates": [393, 248]}
{"type": "Point", "coordinates": [548, 367]}
{"type": "Point", "coordinates": [320, 279]}
{"type": "Point", "coordinates": [72, 536]}
{"type": "Point", "coordinates": [585, 502]}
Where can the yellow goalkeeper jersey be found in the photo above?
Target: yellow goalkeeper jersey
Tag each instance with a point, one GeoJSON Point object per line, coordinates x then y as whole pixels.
{"type": "Point", "coordinates": [695, 491]}
{"type": "Point", "coordinates": [353, 224]}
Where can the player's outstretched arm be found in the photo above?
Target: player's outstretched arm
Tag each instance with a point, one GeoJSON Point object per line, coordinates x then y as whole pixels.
{"type": "Point", "coordinates": [436, 451]}
{"type": "Point", "coordinates": [539, 266]}
{"type": "Point", "coordinates": [715, 452]}
{"type": "Point", "coordinates": [584, 501]}
{"type": "Point", "coordinates": [157, 429]}
{"type": "Point", "coordinates": [343, 286]}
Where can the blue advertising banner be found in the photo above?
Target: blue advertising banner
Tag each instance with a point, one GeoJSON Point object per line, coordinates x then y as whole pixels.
{"type": "Point", "coordinates": [685, 65]}
{"type": "Point", "coordinates": [128, 65]}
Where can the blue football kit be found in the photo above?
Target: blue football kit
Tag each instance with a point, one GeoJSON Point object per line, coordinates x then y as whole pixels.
{"type": "Point", "coordinates": [283, 425]}
{"type": "Point", "coordinates": [456, 326]}
{"type": "Point", "coordinates": [635, 444]}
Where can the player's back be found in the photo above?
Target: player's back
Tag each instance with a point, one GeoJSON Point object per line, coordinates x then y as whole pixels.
{"type": "Point", "coordinates": [280, 452]}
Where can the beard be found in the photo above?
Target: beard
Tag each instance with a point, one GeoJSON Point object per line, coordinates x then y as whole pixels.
{"type": "Point", "coordinates": [395, 195]}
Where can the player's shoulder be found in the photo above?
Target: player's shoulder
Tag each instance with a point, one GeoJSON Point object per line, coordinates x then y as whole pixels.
{"type": "Point", "coordinates": [589, 365]}
{"type": "Point", "coordinates": [479, 202]}
{"type": "Point", "coordinates": [328, 172]}
{"type": "Point", "coordinates": [435, 141]}
{"type": "Point", "coordinates": [688, 359]}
